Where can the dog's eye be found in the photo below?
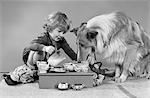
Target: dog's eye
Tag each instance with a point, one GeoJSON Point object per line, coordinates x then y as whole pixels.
{"type": "Point", "coordinates": [82, 45]}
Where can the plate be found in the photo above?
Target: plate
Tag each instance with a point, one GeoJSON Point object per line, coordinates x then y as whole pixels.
{"type": "Point", "coordinates": [57, 70]}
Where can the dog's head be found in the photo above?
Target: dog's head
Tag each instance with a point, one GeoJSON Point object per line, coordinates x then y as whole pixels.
{"type": "Point", "coordinates": [86, 43]}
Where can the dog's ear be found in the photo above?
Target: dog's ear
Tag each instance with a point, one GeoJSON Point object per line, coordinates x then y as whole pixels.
{"type": "Point", "coordinates": [91, 35]}
{"type": "Point", "coordinates": [74, 30]}
{"type": "Point", "coordinates": [83, 24]}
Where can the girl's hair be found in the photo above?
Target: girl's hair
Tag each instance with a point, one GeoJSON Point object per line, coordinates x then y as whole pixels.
{"type": "Point", "coordinates": [57, 20]}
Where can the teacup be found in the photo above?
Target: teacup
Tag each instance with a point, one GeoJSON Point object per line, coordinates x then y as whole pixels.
{"type": "Point", "coordinates": [42, 66]}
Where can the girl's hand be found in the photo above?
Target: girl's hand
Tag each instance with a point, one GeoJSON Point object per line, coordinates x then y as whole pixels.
{"type": "Point", "coordinates": [49, 49]}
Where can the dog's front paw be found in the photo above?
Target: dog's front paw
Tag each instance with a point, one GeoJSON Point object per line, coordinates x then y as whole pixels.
{"type": "Point", "coordinates": [121, 79]}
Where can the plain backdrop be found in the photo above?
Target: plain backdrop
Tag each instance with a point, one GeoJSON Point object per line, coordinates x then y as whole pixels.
{"type": "Point", "coordinates": [21, 21]}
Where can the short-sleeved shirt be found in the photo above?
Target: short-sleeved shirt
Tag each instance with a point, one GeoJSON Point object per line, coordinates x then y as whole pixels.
{"type": "Point", "coordinates": [46, 39]}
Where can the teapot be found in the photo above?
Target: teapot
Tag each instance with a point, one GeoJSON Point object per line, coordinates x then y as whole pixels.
{"type": "Point", "coordinates": [55, 59]}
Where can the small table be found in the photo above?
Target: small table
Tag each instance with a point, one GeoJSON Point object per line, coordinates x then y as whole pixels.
{"type": "Point", "coordinates": [49, 80]}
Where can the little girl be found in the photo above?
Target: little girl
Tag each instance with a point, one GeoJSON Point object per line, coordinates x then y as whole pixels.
{"type": "Point", "coordinates": [57, 24]}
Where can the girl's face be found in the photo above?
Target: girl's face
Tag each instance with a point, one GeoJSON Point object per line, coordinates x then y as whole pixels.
{"type": "Point", "coordinates": [57, 34]}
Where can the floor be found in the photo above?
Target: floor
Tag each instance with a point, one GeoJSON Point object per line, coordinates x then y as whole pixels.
{"type": "Point", "coordinates": [132, 88]}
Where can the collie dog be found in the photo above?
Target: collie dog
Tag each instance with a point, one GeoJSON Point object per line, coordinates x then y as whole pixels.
{"type": "Point", "coordinates": [116, 38]}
